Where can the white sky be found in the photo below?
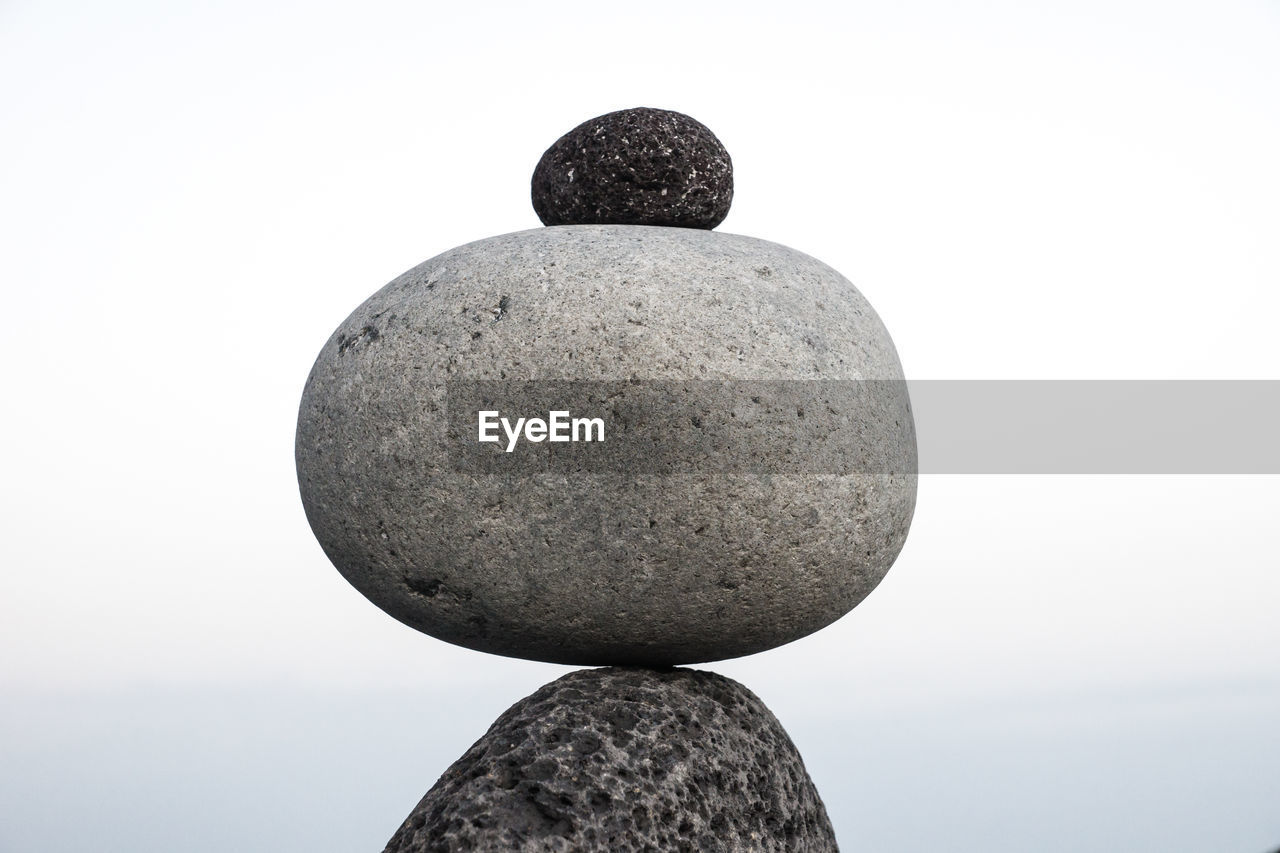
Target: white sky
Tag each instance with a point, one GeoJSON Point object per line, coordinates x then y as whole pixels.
{"type": "Point", "coordinates": [192, 196]}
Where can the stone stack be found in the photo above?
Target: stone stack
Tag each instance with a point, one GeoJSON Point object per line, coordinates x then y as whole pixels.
{"type": "Point", "coordinates": [755, 480]}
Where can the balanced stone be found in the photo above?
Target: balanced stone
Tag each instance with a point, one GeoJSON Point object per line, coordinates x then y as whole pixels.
{"type": "Point", "coordinates": [755, 479]}
{"type": "Point", "coordinates": [635, 167]}
{"type": "Point", "coordinates": [626, 760]}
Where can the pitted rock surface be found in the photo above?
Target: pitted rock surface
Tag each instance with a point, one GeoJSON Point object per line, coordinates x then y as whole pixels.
{"type": "Point", "coordinates": [626, 760]}
{"type": "Point", "coordinates": [635, 167]}
{"type": "Point", "coordinates": [625, 564]}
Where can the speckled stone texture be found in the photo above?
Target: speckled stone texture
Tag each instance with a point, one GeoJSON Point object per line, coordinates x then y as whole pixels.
{"type": "Point", "coordinates": [635, 167]}
{"type": "Point", "coordinates": [626, 760]}
{"type": "Point", "coordinates": [601, 566]}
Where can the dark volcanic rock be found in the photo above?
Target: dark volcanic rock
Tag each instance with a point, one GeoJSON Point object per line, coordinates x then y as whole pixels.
{"type": "Point", "coordinates": [626, 760]}
{"type": "Point", "coordinates": [635, 167]}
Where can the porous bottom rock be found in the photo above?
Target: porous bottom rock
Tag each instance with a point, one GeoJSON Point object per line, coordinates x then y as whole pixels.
{"type": "Point", "coordinates": [626, 759]}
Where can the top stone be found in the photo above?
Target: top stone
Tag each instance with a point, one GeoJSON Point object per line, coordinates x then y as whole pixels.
{"type": "Point", "coordinates": [635, 167]}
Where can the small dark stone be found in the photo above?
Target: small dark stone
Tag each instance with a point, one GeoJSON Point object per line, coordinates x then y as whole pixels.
{"type": "Point", "coordinates": [625, 760]}
{"type": "Point", "coordinates": [635, 167]}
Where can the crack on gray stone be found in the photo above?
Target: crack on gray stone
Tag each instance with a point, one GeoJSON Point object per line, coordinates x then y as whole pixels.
{"type": "Point", "coordinates": [366, 335]}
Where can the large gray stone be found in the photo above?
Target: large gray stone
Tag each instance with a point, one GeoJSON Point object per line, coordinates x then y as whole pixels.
{"type": "Point", "coordinates": [679, 551]}
{"type": "Point", "coordinates": [626, 760]}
